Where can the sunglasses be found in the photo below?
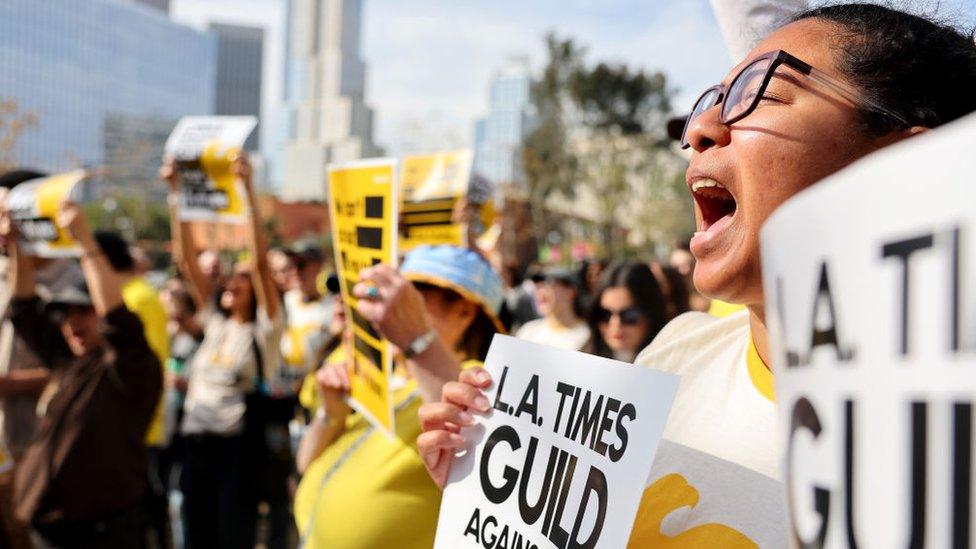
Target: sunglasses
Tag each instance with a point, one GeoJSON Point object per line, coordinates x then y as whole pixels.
{"type": "Point", "coordinates": [746, 89]}
{"type": "Point", "coordinates": [628, 317]}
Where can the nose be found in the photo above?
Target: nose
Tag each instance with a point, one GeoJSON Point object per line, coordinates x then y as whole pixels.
{"type": "Point", "coordinates": [707, 130]}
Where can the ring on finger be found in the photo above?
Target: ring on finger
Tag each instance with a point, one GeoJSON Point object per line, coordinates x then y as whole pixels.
{"type": "Point", "coordinates": [372, 292]}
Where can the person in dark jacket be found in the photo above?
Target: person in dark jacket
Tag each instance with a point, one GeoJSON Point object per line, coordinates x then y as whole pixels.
{"type": "Point", "coordinates": [82, 477]}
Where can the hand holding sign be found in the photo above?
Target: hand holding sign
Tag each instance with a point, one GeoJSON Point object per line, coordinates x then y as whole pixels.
{"type": "Point", "coordinates": [442, 421]}
{"type": "Point", "coordinates": [552, 460]}
{"type": "Point", "coordinates": [72, 219]}
{"type": "Point", "coordinates": [395, 307]}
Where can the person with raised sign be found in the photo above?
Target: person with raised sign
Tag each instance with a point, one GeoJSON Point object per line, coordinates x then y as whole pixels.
{"type": "Point", "coordinates": [226, 397]}
{"type": "Point", "coordinates": [831, 86]}
{"type": "Point", "coordinates": [82, 477]}
{"type": "Point", "coordinates": [361, 488]}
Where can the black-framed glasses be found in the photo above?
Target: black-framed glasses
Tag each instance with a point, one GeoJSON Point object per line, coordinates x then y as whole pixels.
{"type": "Point", "coordinates": [747, 87]}
{"type": "Point", "coordinates": [628, 317]}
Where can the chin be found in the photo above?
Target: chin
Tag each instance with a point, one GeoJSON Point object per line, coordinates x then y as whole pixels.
{"type": "Point", "coordinates": [715, 280]}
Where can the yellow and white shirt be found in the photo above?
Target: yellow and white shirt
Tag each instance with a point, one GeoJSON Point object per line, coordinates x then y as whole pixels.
{"type": "Point", "coordinates": [305, 333]}
{"type": "Point", "coordinates": [715, 481]}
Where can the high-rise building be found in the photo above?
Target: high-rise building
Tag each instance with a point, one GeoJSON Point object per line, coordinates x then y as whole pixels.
{"type": "Point", "coordinates": [498, 136]}
{"type": "Point", "coordinates": [92, 72]}
{"type": "Point", "coordinates": [325, 118]}
{"type": "Point", "coordinates": [240, 54]}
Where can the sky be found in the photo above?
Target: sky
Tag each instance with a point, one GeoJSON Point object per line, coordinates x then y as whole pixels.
{"type": "Point", "coordinates": [430, 62]}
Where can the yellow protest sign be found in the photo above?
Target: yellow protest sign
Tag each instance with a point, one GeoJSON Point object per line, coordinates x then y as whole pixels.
{"type": "Point", "coordinates": [363, 205]}
{"type": "Point", "coordinates": [431, 186]}
{"type": "Point", "coordinates": [34, 206]}
{"type": "Point", "coordinates": [204, 147]}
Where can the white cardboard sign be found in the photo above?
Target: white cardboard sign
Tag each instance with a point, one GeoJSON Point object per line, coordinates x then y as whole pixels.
{"type": "Point", "coordinates": [870, 285]}
{"type": "Point", "coordinates": [203, 148]}
{"type": "Point", "coordinates": [561, 459]}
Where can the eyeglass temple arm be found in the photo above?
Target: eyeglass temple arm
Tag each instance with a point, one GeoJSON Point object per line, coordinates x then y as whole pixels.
{"type": "Point", "coordinates": [850, 94]}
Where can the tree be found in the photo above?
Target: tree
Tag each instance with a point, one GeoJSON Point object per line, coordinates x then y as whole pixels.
{"type": "Point", "coordinates": [601, 139]}
{"type": "Point", "coordinates": [13, 123]}
{"type": "Point", "coordinates": [548, 162]}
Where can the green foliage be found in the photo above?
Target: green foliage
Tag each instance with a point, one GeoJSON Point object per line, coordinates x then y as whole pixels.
{"type": "Point", "coordinates": [138, 219]}
{"type": "Point", "coordinates": [600, 138]}
{"type": "Point", "coordinates": [612, 99]}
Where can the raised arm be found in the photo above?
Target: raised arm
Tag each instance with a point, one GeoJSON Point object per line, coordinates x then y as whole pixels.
{"type": "Point", "coordinates": [185, 251]}
{"type": "Point", "coordinates": [264, 288]}
{"type": "Point", "coordinates": [397, 310]}
{"type": "Point", "coordinates": [26, 310]}
{"type": "Point", "coordinates": [104, 285]}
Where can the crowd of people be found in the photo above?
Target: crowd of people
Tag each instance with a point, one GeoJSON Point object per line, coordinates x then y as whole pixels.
{"type": "Point", "coordinates": [227, 384]}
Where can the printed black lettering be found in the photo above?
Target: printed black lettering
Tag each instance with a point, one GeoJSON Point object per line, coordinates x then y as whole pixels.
{"type": "Point", "coordinates": [588, 419]}
{"type": "Point", "coordinates": [498, 494]}
{"type": "Point", "coordinates": [627, 412]}
{"type": "Point", "coordinates": [500, 404]}
{"type": "Point", "coordinates": [530, 400]}
{"type": "Point", "coordinates": [605, 424]}
{"type": "Point", "coordinates": [474, 526]}
{"type": "Point", "coordinates": [903, 249]}
{"type": "Point", "coordinates": [596, 485]}
{"type": "Point", "coordinates": [804, 416]}
{"type": "Point", "coordinates": [564, 390]}
{"type": "Point", "coordinates": [826, 335]}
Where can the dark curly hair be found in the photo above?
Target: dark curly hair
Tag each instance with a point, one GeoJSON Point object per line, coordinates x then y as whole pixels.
{"type": "Point", "coordinates": [922, 69]}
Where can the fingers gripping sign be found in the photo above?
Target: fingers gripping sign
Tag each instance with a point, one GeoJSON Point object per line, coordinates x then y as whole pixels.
{"type": "Point", "coordinates": [392, 304]}
{"type": "Point", "coordinates": [442, 421]}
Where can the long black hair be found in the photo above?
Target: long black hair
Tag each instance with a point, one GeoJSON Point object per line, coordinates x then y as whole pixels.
{"type": "Point", "coordinates": [922, 69]}
{"type": "Point", "coordinates": [646, 294]}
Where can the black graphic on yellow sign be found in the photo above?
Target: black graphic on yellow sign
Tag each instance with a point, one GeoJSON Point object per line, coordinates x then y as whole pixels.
{"type": "Point", "coordinates": [363, 205]}
{"type": "Point", "coordinates": [34, 206]}
{"type": "Point", "coordinates": [431, 186]}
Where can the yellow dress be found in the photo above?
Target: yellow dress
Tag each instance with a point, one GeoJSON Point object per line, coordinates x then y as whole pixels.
{"type": "Point", "coordinates": [367, 490]}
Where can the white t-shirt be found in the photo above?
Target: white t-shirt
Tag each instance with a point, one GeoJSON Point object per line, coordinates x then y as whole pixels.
{"type": "Point", "coordinates": [545, 332]}
{"type": "Point", "coordinates": [715, 481]}
{"type": "Point", "coordinates": [305, 333]}
{"type": "Point", "coordinates": [224, 370]}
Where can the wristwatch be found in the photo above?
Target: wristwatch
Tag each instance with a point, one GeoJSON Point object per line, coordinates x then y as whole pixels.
{"type": "Point", "coordinates": [420, 344]}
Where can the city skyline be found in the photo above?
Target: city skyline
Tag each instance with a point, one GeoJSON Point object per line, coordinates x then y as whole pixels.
{"type": "Point", "coordinates": [431, 61]}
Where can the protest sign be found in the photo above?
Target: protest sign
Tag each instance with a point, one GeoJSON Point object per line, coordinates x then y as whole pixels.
{"type": "Point", "coordinates": [34, 207]}
{"type": "Point", "coordinates": [562, 458]}
{"type": "Point", "coordinates": [870, 285]}
{"type": "Point", "coordinates": [363, 206]}
{"type": "Point", "coordinates": [431, 186]}
{"type": "Point", "coordinates": [204, 147]}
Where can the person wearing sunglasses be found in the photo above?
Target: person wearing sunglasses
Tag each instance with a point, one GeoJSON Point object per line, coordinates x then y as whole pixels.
{"type": "Point", "coordinates": [833, 85]}
{"type": "Point", "coordinates": [628, 310]}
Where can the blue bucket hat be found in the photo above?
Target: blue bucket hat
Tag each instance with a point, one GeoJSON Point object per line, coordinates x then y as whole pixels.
{"type": "Point", "coordinates": [460, 270]}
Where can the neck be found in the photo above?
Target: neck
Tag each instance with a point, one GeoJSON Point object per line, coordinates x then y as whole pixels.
{"type": "Point", "coordinates": [240, 317]}
{"type": "Point", "coordinates": [563, 317]}
{"type": "Point", "coordinates": [760, 336]}
{"type": "Point", "coordinates": [309, 295]}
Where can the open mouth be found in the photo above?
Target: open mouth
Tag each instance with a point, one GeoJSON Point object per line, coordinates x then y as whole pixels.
{"type": "Point", "coordinates": [714, 201]}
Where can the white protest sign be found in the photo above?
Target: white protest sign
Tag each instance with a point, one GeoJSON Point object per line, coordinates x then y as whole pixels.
{"type": "Point", "coordinates": [35, 205]}
{"type": "Point", "coordinates": [562, 458]}
{"type": "Point", "coordinates": [870, 285]}
{"type": "Point", "coordinates": [204, 148]}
